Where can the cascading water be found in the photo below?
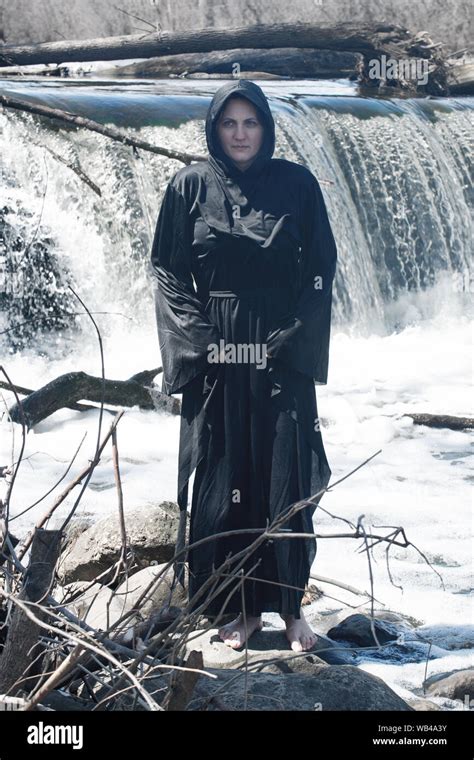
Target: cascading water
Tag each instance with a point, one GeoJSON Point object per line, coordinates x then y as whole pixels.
{"type": "Point", "coordinates": [396, 176]}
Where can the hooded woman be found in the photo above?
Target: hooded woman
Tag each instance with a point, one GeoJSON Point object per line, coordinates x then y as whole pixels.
{"type": "Point", "coordinates": [244, 261]}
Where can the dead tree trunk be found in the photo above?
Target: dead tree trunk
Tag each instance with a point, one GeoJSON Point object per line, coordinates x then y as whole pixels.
{"type": "Point", "coordinates": [282, 62]}
{"type": "Point", "coordinates": [67, 389]}
{"type": "Point", "coordinates": [371, 40]}
{"type": "Point", "coordinates": [364, 38]}
{"type": "Point", "coordinates": [21, 646]}
{"type": "Point", "coordinates": [94, 126]}
{"type": "Point", "coordinates": [443, 421]}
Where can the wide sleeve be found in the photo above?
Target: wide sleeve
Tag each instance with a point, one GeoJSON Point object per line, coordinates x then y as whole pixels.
{"type": "Point", "coordinates": [302, 342]}
{"type": "Point", "coordinates": [184, 329]}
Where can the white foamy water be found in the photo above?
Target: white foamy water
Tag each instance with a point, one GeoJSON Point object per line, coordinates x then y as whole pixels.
{"type": "Point", "coordinates": [421, 480]}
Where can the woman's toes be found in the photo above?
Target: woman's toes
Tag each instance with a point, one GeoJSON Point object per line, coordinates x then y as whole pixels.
{"type": "Point", "coordinates": [296, 646]}
{"type": "Point", "coordinates": [233, 640]}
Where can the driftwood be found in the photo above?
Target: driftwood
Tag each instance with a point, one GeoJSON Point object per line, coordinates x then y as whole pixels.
{"type": "Point", "coordinates": [69, 388]}
{"type": "Point", "coordinates": [74, 168]}
{"type": "Point", "coordinates": [94, 126]}
{"type": "Point", "coordinates": [390, 39]}
{"type": "Point", "coordinates": [22, 390]}
{"type": "Point", "coordinates": [281, 62]}
{"type": "Point", "coordinates": [21, 646]}
{"type": "Point", "coordinates": [62, 393]}
{"type": "Point", "coordinates": [443, 421]}
{"type": "Point", "coordinates": [144, 378]}
{"type": "Point", "coordinates": [372, 41]}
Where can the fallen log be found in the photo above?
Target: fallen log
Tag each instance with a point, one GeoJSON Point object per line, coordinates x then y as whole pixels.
{"type": "Point", "coordinates": [373, 41]}
{"type": "Point", "coordinates": [69, 388]}
{"type": "Point", "coordinates": [21, 390]}
{"type": "Point", "coordinates": [145, 377]}
{"type": "Point", "coordinates": [94, 126]}
{"type": "Point", "coordinates": [443, 421]}
{"type": "Point", "coordinates": [283, 62]}
{"type": "Point", "coordinates": [21, 646]}
{"type": "Point", "coordinates": [364, 38]}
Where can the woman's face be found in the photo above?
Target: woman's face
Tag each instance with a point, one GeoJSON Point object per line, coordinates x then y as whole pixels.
{"type": "Point", "coordinates": [240, 131]}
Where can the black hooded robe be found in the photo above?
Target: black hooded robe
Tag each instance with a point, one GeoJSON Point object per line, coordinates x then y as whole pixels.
{"type": "Point", "coordinates": [246, 259]}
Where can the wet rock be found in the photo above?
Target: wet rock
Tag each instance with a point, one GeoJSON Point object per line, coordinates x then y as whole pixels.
{"type": "Point", "coordinates": [151, 534]}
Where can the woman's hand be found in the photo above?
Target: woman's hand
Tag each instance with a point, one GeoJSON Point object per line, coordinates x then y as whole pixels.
{"type": "Point", "coordinates": [280, 340]}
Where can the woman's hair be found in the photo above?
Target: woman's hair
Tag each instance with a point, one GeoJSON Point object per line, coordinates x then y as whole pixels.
{"type": "Point", "coordinates": [237, 96]}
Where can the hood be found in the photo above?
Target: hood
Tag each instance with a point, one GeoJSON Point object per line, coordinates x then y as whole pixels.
{"type": "Point", "coordinates": [253, 93]}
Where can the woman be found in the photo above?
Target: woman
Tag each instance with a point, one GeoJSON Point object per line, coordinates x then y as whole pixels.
{"type": "Point", "coordinates": [245, 343]}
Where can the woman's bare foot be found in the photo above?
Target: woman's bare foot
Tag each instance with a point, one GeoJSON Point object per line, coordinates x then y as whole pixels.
{"type": "Point", "coordinates": [233, 633]}
{"type": "Point", "coordinates": [298, 633]}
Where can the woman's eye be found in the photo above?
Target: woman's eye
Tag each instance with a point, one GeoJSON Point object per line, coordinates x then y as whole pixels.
{"type": "Point", "coordinates": [247, 124]}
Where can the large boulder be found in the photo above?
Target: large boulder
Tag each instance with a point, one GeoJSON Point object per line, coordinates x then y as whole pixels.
{"type": "Point", "coordinates": [455, 685]}
{"type": "Point", "coordinates": [358, 630]}
{"type": "Point", "coordinates": [100, 606]}
{"type": "Point", "coordinates": [327, 620]}
{"type": "Point", "coordinates": [96, 605]}
{"type": "Point", "coordinates": [327, 688]}
{"type": "Point", "coordinates": [151, 534]}
{"type": "Point", "coordinates": [320, 688]}
{"type": "Point", "coordinates": [161, 594]}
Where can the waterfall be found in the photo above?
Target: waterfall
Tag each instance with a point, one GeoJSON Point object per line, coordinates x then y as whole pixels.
{"type": "Point", "coordinates": [396, 176]}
